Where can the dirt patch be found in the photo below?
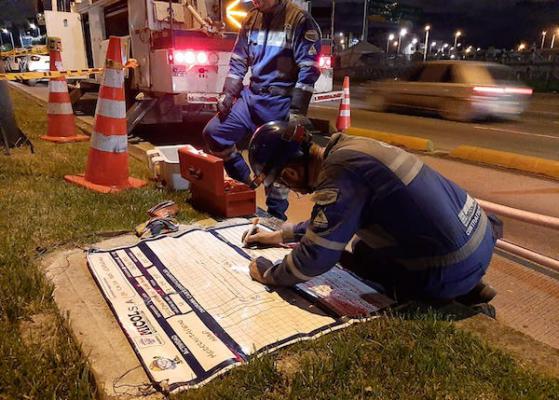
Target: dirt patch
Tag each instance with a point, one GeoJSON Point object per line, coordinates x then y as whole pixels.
{"type": "Point", "coordinates": [288, 365]}
{"type": "Point", "coordinates": [39, 329]}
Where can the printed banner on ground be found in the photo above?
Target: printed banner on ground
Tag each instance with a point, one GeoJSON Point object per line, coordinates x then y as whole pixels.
{"type": "Point", "coordinates": [191, 311]}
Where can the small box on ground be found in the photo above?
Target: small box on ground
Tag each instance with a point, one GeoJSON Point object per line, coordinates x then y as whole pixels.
{"type": "Point", "coordinates": [211, 190]}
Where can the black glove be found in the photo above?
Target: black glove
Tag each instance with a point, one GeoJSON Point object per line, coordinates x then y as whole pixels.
{"type": "Point", "coordinates": [262, 265]}
{"type": "Point", "coordinates": [224, 105]}
{"type": "Point", "coordinates": [300, 100]}
{"type": "Point", "coordinates": [300, 120]}
{"type": "Point", "coordinates": [231, 91]}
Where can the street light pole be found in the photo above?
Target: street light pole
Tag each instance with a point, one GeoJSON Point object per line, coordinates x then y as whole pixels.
{"type": "Point", "coordinates": [403, 33]}
{"type": "Point", "coordinates": [543, 38]}
{"type": "Point", "coordinates": [426, 49]}
{"type": "Point", "coordinates": [365, 33]}
{"type": "Point", "coordinates": [388, 40]}
{"type": "Point", "coordinates": [332, 16]}
{"type": "Point", "coordinates": [553, 38]}
{"type": "Point", "coordinates": [456, 36]}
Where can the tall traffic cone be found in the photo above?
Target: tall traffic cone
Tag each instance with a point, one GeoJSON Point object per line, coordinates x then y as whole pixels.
{"type": "Point", "coordinates": [344, 118]}
{"type": "Point", "coordinates": [107, 162]}
{"type": "Point", "coordinates": [61, 119]}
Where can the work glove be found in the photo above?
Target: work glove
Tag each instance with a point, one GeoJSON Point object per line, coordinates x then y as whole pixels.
{"type": "Point", "coordinates": [224, 105]}
{"type": "Point", "coordinates": [300, 120]}
{"type": "Point", "coordinates": [231, 91]}
{"type": "Point", "coordinates": [300, 100]}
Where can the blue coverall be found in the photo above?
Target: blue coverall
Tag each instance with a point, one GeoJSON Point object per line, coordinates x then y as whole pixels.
{"type": "Point", "coordinates": [415, 231]}
{"type": "Point", "coordinates": [282, 50]}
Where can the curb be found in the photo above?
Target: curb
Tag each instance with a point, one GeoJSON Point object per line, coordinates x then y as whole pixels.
{"type": "Point", "coordinates": [542, 166]}
{"type": "Point", "coordinates": [409, 142]}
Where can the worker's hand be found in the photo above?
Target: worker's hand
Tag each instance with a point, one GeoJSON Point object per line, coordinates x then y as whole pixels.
{"type": "Point", "coordinates": [299, 120]}
{"type": "Point", "coordinates": [261, 237]}
{"type": "Point", "coordinates": [224, 105]}
{"type": "Point", "coordinates": [258, 268]}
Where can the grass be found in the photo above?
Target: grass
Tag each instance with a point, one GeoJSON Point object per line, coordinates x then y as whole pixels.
{"type": "Point", "coordinates": [389, 358]}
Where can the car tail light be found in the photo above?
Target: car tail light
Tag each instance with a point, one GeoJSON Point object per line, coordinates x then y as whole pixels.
{"type": "Point", "coordinates": [520, 90]}
{"type": "Point", "coordinates": [325, 62]}
{"type": "Point", "coordinates": [189, 57]}
{"type": "Point", "coordinates": [492, 90]}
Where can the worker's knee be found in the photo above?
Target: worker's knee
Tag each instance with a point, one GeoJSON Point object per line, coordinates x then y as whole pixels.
{"type": "Point", "coordinates": [210, 133]}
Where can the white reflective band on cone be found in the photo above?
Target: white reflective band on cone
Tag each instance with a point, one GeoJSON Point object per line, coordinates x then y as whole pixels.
{"type": "Point", "coordinates": [110, 144]}
{"type": "Point", "coordinates": [345, 113]}
{"type": "Point", "coordinates": [60, 108]}
{"type": "Point", "coordinates": [113, 78]}
{"type": "Point", "coordinates": [111, 108]}
{"type": "Point", "coordinates": [346, 91]}
{"type": "Point", "coordinates": [58, 87]}
{"type": "Point", "coordinates": [345, 101]}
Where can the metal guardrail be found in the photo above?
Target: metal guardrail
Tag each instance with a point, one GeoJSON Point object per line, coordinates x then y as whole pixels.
{"type": "Point", "coordinates": [528, 217]}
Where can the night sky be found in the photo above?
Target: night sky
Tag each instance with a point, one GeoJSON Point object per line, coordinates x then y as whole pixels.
{"type": "Point", "coordinates": [499, 23]}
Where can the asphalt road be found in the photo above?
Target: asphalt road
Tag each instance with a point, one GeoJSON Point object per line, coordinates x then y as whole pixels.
{"type": "Point", "coordinates": [535, 134]}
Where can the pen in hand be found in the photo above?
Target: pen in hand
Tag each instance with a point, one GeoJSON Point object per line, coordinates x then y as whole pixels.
{"type": "Point", "coordinates": [251, 231]}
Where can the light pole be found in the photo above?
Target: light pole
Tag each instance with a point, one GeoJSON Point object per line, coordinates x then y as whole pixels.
{"type": "Point", "coordinates": [332, 24]}
{"type": "Point", "coordinates": [553, 37]}
{"type": "Point", "coordinates": [543, 38]}
{"type": "Point", "coordinates": [403, 32]}
{"type": "Point", "coordinates": [426, 49]}
{"type": "Point", "coordinates": [4, 30]}
{"type": "Point", "coordinates": [388, 40]}
{"type": "Point", "coordinates": [456, 36]}
{"type": "Point", "coordinates": [365, 32]}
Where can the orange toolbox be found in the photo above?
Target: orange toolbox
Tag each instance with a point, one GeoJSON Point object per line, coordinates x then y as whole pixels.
{"type": "Point", "coordinates": [211, 190]}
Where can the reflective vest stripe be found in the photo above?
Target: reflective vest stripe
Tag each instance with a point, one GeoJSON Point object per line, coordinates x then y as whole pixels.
{"type": "Point", "coordinates": [110, 144]}
{"type": "Point", "coordinates": [322, 242]}
{"type": "Point", "coordinates": [294, 270]}
{"type": "Point", "coordinates": [454, 257]}
{"type": "Point", "coordinates": [306, 88]}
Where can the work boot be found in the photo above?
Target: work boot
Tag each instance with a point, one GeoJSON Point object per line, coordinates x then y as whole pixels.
{"type": "Point", "coordinates": [481, 293]}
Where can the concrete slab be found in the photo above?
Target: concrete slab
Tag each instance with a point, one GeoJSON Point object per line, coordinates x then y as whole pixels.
{"type": "Point", "coordinates": [118, 372]}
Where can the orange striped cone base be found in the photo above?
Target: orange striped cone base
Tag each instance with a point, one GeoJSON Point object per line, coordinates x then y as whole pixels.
{"type": "Point", "coordinates": [107, 162]}
{"type": "Point", "coordinates": [343, 121]}
{"type": "Point", "coordinates": [61, 118]}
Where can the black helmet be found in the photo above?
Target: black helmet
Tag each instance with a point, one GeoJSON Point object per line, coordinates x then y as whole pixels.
{"type": "Point", "coordinates": [274, 145]}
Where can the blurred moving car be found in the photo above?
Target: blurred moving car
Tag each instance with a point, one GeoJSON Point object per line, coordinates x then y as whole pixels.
{"type": "Point", "coordinates": [457, 90]}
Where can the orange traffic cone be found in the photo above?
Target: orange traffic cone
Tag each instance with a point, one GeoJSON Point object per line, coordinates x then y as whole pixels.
{"type": "Point", "coordinates": [61, 119]}
{"type": "Point", "coordinates": [344, 118]}
{"type": "Point", "coordinates": [107, 162]}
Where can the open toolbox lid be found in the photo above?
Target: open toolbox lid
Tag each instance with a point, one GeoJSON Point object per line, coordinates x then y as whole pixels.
{"type": "Point", "coordinates": [205, 172]}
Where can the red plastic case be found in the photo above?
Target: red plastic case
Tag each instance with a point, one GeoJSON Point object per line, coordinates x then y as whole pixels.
{"type": "Point", "coordinates": [211, 191]}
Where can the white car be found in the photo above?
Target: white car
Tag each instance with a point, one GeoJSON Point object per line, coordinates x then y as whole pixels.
{"type": "Point", "coordinates": [457, 90]}
{"type": "Point", "coordinates": [34, 63]}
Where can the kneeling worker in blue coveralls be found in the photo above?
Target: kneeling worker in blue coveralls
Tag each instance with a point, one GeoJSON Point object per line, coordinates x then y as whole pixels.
{"type": "Point", "coordinates": [281, 44]}
{"type": "Point", "coordinates": [415, 232]}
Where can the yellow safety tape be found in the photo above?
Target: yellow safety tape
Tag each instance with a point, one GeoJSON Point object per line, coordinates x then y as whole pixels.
{"type": "Point", "coordinates": [34, 50]}
{"type": "Point", "coordinates": [15, 76]}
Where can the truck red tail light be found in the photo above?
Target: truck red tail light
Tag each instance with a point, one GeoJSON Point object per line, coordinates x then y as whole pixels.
{"type": "Point", "coordinates": [325, 62]}
{"type": "Point", "coordinates": [189, 57]}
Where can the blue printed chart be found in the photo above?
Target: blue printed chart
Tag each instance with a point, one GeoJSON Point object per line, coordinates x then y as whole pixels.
{"type": "Point", "coordinates": [191, 311]}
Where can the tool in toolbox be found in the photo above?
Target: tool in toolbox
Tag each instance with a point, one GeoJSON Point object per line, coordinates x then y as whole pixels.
{"type": "Point", "coordinates": [211, 190]}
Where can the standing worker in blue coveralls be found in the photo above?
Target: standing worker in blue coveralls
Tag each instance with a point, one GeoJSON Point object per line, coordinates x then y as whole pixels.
{"type": "Point", "coordinates": [281, 44]}
{"type": "Point", "coordinates": [412, 230]}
